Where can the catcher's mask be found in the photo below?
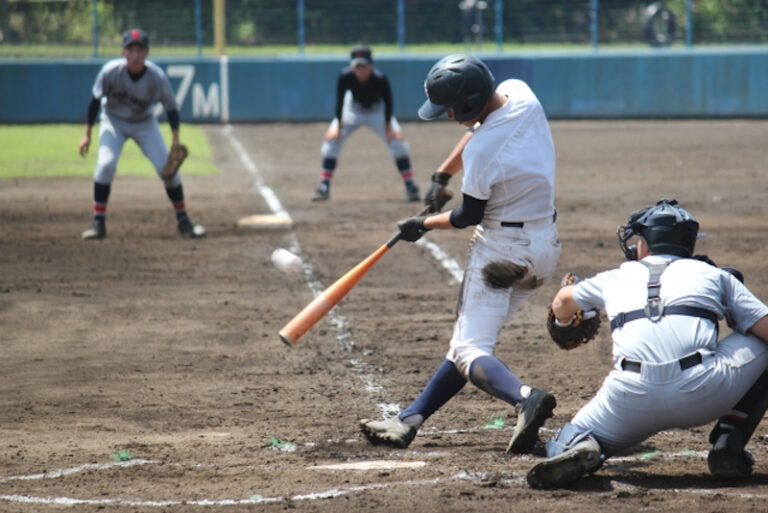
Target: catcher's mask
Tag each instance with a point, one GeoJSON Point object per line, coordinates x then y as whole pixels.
{"type": "Point", "coordinates": [459, 82]}
{"type": "Point", "coordinates": [667, 228]}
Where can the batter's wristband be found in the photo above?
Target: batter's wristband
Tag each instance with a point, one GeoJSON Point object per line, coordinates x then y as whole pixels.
{"type": "Point", "coordinates": [441, 178]}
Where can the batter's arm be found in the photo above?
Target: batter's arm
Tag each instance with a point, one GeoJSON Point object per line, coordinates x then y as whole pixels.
{"type": "Point", "coordinates": [453, 163]}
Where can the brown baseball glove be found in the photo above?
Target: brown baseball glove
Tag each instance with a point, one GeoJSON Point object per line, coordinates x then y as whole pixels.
{"type": "Point", "coordinates": [176, 157]}
{"type": "Point", "coordinates": [582, 327]}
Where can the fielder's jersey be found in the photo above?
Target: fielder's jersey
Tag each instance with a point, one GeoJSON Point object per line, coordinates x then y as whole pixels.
{"type": "Point", "coordinates": [130, 99]}
{"type": "Point", "coordinates": [510, 159]}
{"type": "Point", "coordinates": [376, 89]}
{"type": "Point", "coordinates": [685, 281]}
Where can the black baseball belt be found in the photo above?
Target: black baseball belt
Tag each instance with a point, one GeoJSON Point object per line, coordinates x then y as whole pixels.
{"type": "Point", "coordinates": [686, 362]}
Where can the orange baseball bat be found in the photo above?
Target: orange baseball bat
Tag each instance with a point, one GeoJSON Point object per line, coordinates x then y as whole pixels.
{"type": "Point", "coordinates": [331, 296]}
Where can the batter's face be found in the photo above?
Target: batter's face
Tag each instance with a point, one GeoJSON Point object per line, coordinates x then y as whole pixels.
{"type": "Point", "coordinates": [470, 123]}
{"type": "Point", "coordinates": [363, 72]}
{"type": "Point", "coordinates": [135, 55]}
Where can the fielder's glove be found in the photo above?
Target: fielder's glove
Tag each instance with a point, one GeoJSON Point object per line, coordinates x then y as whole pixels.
{"type": "Point", "coordinates": [580, 329]}
{"type": "Point", "coordinates": [437, 195]}
{"type": "Point", "coordinates": [176, 156]}
{"type": "Point", "coordinates": [412, 229]}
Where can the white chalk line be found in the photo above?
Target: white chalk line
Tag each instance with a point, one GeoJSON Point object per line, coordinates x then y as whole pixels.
{"type": "Point", "coordinates": [334, 318]}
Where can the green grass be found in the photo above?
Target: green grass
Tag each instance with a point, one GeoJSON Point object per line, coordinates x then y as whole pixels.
{"type": "Point", "coordinates": [37, 151]}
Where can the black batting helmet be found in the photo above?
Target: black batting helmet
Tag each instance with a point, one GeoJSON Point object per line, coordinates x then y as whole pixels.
{"type": "Point", "coordinates": [459, 82]}
{"type": "Point", "coordinates": [667, 227]}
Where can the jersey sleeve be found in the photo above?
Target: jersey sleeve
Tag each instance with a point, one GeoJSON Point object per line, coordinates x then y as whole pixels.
{"type": "Point", "coordinates": [588, 293]}
{"type": "Point", "coordinates": [478, 174]}
{"type": "Point", "coordinates": [743, 308]}
{"type": "Point", "coordinates": [167, 98]}
{"type": "Point", "coordinates": [100, 89]}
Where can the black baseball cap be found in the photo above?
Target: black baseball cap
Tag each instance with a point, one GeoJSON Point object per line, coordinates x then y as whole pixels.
{"type": "Point", "coordinates": [135, 36]}
{"type": "Point", "coordinates": [360, 55]}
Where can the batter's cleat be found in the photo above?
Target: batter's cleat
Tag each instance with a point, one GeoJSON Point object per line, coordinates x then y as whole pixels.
{"type": "Point", "coordinates": [191, 230]}
{"type": "Point", "coordinates": [531, 415]}
{"type": "Point", "coordinates": [412, 193]}
{"type": "Point", "coordinates": [97, 230]}
{"type": "Point", "coordinates": [392, 432]}
{"type": "Point", "coordinates": [725, 465]}
{"type": "Point", "coordinates": [580, 460]}
{"type": "Point", "coordinates": [322, 193]}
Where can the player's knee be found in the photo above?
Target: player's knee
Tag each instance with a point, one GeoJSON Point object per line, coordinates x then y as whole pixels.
{"type": "Point", "coordinates": [105, 173]}
{"type": "Point", "coordinates": [566, 437]}
{"type": "Point", "coordinates": [463, 358]}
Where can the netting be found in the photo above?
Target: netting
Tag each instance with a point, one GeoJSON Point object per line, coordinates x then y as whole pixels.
{"type": "Point", "coordinates": [88, 27]}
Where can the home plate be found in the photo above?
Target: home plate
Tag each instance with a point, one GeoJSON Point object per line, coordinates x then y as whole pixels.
{"type": "Point", "coordinates": [265, 222]}
{"type": "Point", "coordinates": [371, 465]}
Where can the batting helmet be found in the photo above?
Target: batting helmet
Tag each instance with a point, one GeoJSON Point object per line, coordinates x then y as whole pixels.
{"type": "Point", "coordinates": [666, 226]}
{"type": "Point", "coordinates": [459, 82]}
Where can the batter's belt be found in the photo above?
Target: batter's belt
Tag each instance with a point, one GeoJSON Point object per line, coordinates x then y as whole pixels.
{"type": "Point", "coordinates": [541, 222]}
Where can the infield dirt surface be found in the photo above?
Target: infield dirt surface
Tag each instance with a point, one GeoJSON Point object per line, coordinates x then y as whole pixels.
{"type": "Point", "coordinates": [163, 352]}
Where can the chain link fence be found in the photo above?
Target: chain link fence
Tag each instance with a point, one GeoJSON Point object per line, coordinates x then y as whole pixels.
{"type": "Point", "coordinates": [84, 28]}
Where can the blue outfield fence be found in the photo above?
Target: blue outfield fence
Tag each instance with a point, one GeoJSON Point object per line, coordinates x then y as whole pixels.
{"type": "Point", "coordinates": [668, 84]}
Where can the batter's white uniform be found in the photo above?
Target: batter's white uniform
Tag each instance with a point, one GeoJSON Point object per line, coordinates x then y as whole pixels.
{"type": "Point", "coordinates": [632, 406]}
{"type": "Point", "coordinates": [510, 162]}
{"type": "Point", "coordinates": [128, 113]}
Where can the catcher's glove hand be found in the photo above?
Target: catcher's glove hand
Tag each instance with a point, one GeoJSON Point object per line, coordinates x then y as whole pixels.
{"type": "Point", "coordinates": [580, 329]}
{"type": "Point", "coordinates": [176, 156]}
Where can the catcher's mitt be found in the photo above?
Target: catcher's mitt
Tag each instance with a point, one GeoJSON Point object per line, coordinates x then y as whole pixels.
{"type": "Point", "coordinates": [582, 327]}
{"type": "Point", "coordinates": [176, 156]}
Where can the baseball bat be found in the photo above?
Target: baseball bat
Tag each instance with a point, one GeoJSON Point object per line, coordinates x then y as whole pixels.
{"type": "Point", "coordinates": [331, 296]}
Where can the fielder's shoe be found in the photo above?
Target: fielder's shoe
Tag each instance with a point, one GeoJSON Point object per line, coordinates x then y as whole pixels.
{"type": "Point", "coordinates": [97, 230]}
{"type": "Point", "coordinates": [322, 193]}
{"type": "Point", "coordinates": [191, 230]}
{"type": "Point", "coordinates": [392, 432]}
{"type": "Point", "coordinates": [581, 459]}
{"type": "Point", "coordinates": [412, 193]}
{"type": "Point", "coordinates": [531, 415]}
{"type": "Point", "coordinates": [724, 465]}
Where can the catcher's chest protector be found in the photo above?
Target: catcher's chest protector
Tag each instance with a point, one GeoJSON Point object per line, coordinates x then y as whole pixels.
{"type": "Point", "coordinates": [654, 309]}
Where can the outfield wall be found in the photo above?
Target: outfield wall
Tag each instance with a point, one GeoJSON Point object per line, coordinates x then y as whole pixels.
{"type": "Point", "coordinates": [648, 84]}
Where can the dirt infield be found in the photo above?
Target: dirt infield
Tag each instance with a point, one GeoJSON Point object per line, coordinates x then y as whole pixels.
{"type": "Point", "coordinates": [144, 372]}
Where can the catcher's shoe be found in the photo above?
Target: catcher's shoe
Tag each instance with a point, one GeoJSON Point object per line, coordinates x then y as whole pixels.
{"type": "Point", "coordinates": [725, 465]}
{"type": "Point", "coordinates": [392, 432]}
{"type": "Point", "coordinates": [322, 193]}
{"type": "Point", "coordinates": [188, 229]}
{"type": "Point", "coordinates": [97, 230]}
{"type": "Point", "coordinates": [412, 193]}
{"type": "Point", "coordinates": [580, 460]}
{"type": "Point", "coordinates": [531, 415]}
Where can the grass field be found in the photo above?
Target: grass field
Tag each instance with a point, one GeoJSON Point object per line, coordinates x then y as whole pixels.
{"type": "Point", "coordinates": [51, 150]}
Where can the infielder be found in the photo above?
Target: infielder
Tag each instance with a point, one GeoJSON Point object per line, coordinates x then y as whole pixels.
{"type": "Point", "coordinates": [131, 87]}
{"type": "Point", "coordinates": [670, 370]}
{"type": "Point", "coordinates": [508, 158]}
{"type": "Point", "coordinates": [364, 98]}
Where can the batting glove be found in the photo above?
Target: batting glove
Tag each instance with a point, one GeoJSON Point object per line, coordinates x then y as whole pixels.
{"type": "Point", "coordinates": [412, 229]}
{"type": "Point", "coordinates": [437, 195]}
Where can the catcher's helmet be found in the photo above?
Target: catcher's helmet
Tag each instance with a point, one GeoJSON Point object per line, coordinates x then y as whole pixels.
{"type": "Point", "coordinates": [459, 82]}
{"type": "Point", "coordinates": [666, 226]}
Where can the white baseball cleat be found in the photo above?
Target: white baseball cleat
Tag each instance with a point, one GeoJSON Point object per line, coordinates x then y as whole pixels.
{"type": "Point", "coordinates": [577, 461]}
{"type": "Point", "coordinates": [392, 432]}
{"type": "Point", "coordinates": [191, 230]}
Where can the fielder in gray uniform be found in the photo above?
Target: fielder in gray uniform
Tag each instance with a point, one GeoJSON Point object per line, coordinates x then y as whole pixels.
{"type": "Point", "coordinates": [508, 158]}
{"type": "Point", "coordinates": [670, 370]}
{"type": "Point", "coordinates": [131, 86]}
{"type": "Point", "coordinates": [364, 98]}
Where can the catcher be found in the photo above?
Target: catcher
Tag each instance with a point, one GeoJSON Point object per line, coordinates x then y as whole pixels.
{"type": "Point", "coordinates": [131, 87]}
{"type": "Point", "coordinates": [670, 369]}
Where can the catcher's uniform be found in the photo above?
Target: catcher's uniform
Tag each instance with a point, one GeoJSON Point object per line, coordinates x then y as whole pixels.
{"type": "Point", "coordinates": [671, 372]}
{"type": "Point", "coordinates": [510, 162]}
{"type": "Point", "coordinates": [128, 113]}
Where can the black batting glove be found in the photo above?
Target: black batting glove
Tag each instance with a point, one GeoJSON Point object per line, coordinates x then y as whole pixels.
{"type": "Point", "coordinates": [412, 229]}
{"type": "Point", "coordinates": [437, 195]}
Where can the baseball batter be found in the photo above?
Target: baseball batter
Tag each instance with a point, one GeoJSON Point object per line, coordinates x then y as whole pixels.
{"type": "Point", "coordinates": [364, 98]}
{"type": "Point", "coordinates": [130, 87]}
{"type": "Point", "coordinates": [670, 370]}
{"type": "Point", "coordinates": [508, 158]}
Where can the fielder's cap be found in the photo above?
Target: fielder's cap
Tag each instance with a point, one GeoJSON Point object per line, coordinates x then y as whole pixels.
{"type": "Point", "coordinates": [360, 55]}
{"type": "Point", "coordinates": [135, 36]}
